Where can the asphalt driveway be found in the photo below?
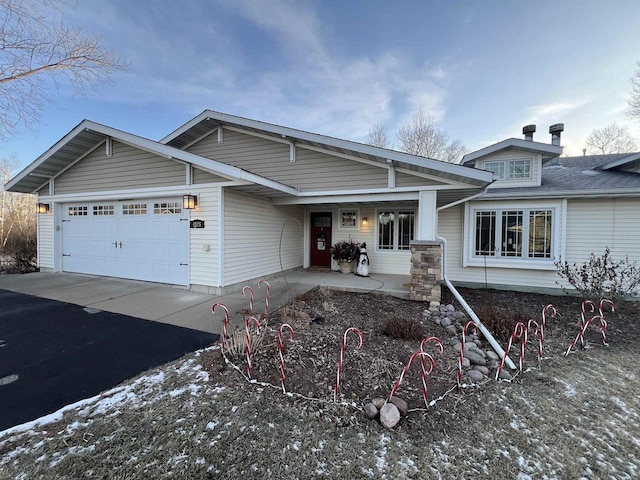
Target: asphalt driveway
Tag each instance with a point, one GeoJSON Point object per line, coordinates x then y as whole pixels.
{"type": "Point", "coordinates": [54, 353]}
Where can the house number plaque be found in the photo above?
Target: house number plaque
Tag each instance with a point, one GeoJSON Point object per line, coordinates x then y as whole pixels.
{"type": "Point", "coordinates": [196, 224]}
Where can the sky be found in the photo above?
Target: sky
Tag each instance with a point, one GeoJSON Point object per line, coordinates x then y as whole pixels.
{"type": "Point", "coordinates": [481, 69]}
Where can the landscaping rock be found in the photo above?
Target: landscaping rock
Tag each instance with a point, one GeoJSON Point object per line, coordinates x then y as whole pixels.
{"type": "Point", "coordinates": [445, 322]}
{"type": "Point", "coordinates": [458, 315]}
{"type": "Point", "coordinates": [493, 364]}
{"type": "Point", "coordinates": [483, 369]}
{"type": "Point", "coordinates": [451, 330]}
{"type": "Point", "coordinates": [475, 358]}
{"type": "Point", "coordinates": [434, 304]}
{"type": "Point", "coordinates": [450, 308]}
{"type": "Point", "coordinates": [389, 415]}
{"type": "Point", "coordinates": [454, 341]}
{"type": "Point", "coordinates": [475, 375]}
{"type": "Point", "coordinates": [437, 320]}
{"type": "Point", "coordinates": [378, 402]}
{"type": "Point", "coordinates": [492, 355]}
{"type": "Point", "coordinates": [504, 375]}
{"type": "Point", "coordinates": [466, 363]}
{"type": "Point", "coordinates": [370, 410]}
{"type": "Point", "coordinates": [403, 407]}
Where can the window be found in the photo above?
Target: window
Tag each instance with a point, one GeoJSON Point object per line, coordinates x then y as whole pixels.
{"type": "Point", "coordinates": [510, 169]}
{"type": "Point", "coordinates": [396, 229]}
{"type": "Point", "coordinates": [78, 211]}
{"type": "Point", "coordinates": [349, 218]}
{"type": "Point", "coordinates": [134, 209]}
{"type": "Point", "coordinates": [514, 233]}
{"type": "Point", "coordinates": [103, 210]}
{"type": "Point", "coordinates": [164, 208]}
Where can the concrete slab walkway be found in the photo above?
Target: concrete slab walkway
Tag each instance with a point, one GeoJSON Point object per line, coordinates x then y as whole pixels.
{"type": "Point", "coordinates": [182, 307]}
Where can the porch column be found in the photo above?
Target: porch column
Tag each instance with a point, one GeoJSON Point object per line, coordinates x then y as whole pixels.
{"type": "Point", "coordinates": [426, 270]}
{"type": "Point", "coordinates": [427, 215]}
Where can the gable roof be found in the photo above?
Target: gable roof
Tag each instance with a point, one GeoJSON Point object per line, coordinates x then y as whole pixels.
{"type": "Point", "coordinates": [625, 159]}
{"type": "Point", "coordinates": [87, 134]}
{"type": "Point", "coordinates": [546, 150]}
{"type": "Point", "coordinates": [209, 119]}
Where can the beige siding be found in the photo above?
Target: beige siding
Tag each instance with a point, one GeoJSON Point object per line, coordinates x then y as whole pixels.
{"type": "Point", "coordinates": [312, 171]}
{"type": "Point", "coordinates": [45, 240]}
{"type": "Point", "coordinates": [44, 190]}
{"type": "Point", "coordinates": [200, 176]}
{"type": "Point", "coordinates": [536, 166]}
{"type": "Point", "coordinates": [203, 242]}
{"type": "Point", "coordinates": [406, 180]}
{"type": "Point", "coordinates": [252, 228]}
{"type": "Point", "coordinates": [128, 167]}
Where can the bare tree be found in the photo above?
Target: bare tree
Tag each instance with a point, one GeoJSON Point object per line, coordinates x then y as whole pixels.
{"type": "Point", "coordinates": [38, 50]}
{"type": "Point", "coordinates": [634, 97]}
{"type": "Point", "coordinates": [378, 136]}
{"type": "Point", "coordinates": [420, 136]}
{"type": "Point", "coordinates": [611, 139]}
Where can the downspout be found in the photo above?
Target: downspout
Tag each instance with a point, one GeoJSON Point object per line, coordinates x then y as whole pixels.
{"type": "Point", "coordinates": [487, 334]}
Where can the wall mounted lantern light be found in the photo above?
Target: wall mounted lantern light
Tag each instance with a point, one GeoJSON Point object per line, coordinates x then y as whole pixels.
{"type": "Point", "coordinates": [365, 221]}
{"type": "Point", "coordinates": [189, 202]}
{"type": "Point", "coordinates": [43, 208]}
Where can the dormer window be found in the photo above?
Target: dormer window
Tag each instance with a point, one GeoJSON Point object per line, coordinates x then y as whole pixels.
{"type": "Point", "coordinates": [516, 169]}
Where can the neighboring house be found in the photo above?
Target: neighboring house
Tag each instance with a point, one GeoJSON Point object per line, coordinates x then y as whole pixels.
{"type": "Point", "coordinates": [264, 198]}
{"type": "Point", "coordinates": [542, 208]}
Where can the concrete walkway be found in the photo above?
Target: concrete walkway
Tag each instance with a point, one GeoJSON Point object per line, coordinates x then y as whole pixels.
{"type": "Point", "coordinates": [183, 307]}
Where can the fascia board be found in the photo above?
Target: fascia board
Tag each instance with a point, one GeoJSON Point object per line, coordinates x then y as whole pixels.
{"type": "Point", "coordinates": [472, 174]}
{"type": "Point", "coordinates": [622, 192]}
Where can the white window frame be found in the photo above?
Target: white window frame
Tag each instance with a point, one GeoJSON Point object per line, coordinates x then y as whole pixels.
{"type": "Point", "coordinates": [349, 227]}
{"type": "Point", "coordinates": [396, 231]}
{"type": "Point", "coordinates": [558, 209]}
{"type": "Point", "coordinates": [506, 168]}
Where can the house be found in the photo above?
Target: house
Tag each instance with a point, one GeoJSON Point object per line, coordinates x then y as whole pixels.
{"type": "Point", "coordinates": [542, 208]}
{"type": "Point", "coordinates": [223, 200]}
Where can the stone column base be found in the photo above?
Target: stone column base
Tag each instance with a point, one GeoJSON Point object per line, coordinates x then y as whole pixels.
{"type": "Point", "coordinates": [426, 271]}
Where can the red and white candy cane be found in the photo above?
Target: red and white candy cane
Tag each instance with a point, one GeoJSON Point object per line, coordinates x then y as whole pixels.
{"type": "Point", "coordinates": [461, 356]}
{"type": "Point", "coordinates": [423, 364]}
{"type": "Point", "coordinates": [342, 347]}
{"type": "Point", "coordinates": [281, 349]}
{"type": "Point", "coordinates": [603, 323]}
{"type": "Point", "coordinates": [247, 287]}
{"type": "Point", "coordinates": [266, 298]}
{"type": "Point", "coordinates": [247, 337]}
{"type": "Point", "coordinates": [538, 332]}
{"type": "Point", "coordinates": [583, 311]}
{"type": "Point", "coordinates": [518, 332]}
{"type": "Point", "coordinates": [580, 336]}
{"type": "Point", "coordinates": [543, 325]}
{"type": "Point", "coordinates": [225, 324]}
{"type": "Point", "coordinates": [396, 385]}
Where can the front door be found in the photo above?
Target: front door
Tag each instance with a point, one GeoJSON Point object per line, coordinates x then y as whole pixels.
{"type": "Point", "coordinates": [321, 239]}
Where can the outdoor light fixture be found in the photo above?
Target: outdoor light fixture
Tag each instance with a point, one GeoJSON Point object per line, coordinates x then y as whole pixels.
{"type": "Point", "coordinates": [189, 202]}
{"type": "Point", "coordinates": [365, 221]}
{"type": "Point", "coordinates": [43, 208]}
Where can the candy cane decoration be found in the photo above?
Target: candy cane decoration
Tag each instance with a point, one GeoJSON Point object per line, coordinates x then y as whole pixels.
{"type": "Point", "coordinates": [518, 332]}
{"type": "Point", "coordinates": [543, 326]}
{"type": "Point", "coordinates": [538, 332]}
{"type": "Point", "coordinates": [396, 385]}
{"type": "Point", "coordinates": [423, 364]}
{"type": "Point", "coordinates": [225, 324]}
{"type": "Point", "coordinates": [583, 310]}
{"type": "Point", "coordinates": [460, 357]}
{"type": "Point", "coordinates": [281, 349]}
{"type": "Point", "coordinates": [247, 337]}
{"type": "Point", "coordinates": [603, 323]}
{"type": "Point", "coordinates": [342, 347]}
{"type": "Point", "coordinates": [266, 298]}
{"type": "Point", "coordinates": [247, 287]}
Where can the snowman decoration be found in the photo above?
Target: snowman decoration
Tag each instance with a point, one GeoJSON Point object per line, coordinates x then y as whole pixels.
{"type": "Point", "coordinates": [363, 261]}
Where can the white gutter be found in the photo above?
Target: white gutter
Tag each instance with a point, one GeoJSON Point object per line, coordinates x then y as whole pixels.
{"type": "Point", "coordinates": [487, 334]}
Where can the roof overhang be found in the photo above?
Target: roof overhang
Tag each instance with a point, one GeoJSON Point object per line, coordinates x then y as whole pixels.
{"type": "Point", "coordinates": [88, 135]}
{"type": "Point", "coordinates": [546, 150]}
{"type": "Point", "coordinates": [208, 120]}
{"type": "Point", "coordinates": [621, 162]}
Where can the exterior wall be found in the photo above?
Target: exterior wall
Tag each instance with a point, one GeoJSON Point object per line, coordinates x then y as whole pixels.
{"type": "Point", "coordinates": [128, 167]}
{"type": "Point", "coordinates": [45, 240]}
{"type": "Point", "coordinates": [591, 225]}
{"type": "Point", "coordinates": [203, 242]}
{"type": "Point", "coordinates": [252, 229]}
{"type": "Point", "coordinates": [311, 170]}
{"type": "Point", "coordinates": [407, 180]}
{"type": "Point", "coordinates": [509, 154]}
{"type": "Point", "coordinates": [200, 176]}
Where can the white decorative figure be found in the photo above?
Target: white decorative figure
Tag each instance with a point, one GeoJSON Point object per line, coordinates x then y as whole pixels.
{"type": "Point", "coordinates": [363, 261]}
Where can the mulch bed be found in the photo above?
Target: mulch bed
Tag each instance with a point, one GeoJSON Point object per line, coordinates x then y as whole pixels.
{"type": "Point", "coordinates": [320, 318]}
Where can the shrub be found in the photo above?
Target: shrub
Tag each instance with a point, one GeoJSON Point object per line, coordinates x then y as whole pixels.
{"type": "Point", "coordinates": [397, 327]}
{"type": "Point", "coordinates": [500, 324]}
{"type": "Point", "coordinates": [344, 251]}
{"type": "Point", "coordinates": [600, 277]}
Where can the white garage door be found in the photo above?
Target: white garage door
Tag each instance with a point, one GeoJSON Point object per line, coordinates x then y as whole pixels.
{"type": "Point", "coordinates": [137, 239]}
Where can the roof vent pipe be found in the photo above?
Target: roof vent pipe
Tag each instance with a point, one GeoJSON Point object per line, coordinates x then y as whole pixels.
{"type": "Point", "coordinates": [528, 131]}
{"type": "Point", "coordinates": [555, 131]}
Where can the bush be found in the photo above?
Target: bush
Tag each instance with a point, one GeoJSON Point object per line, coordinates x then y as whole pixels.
{"type": "Point", "coordinates": [500, 324]}
{"type": "Point", "coordinates": [600, 277]}
{"type": "Point", "coordinates": [397, 327]}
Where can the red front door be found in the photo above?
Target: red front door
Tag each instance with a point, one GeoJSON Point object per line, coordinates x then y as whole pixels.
{"type": "Point", "coordinates": [321, 239]}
